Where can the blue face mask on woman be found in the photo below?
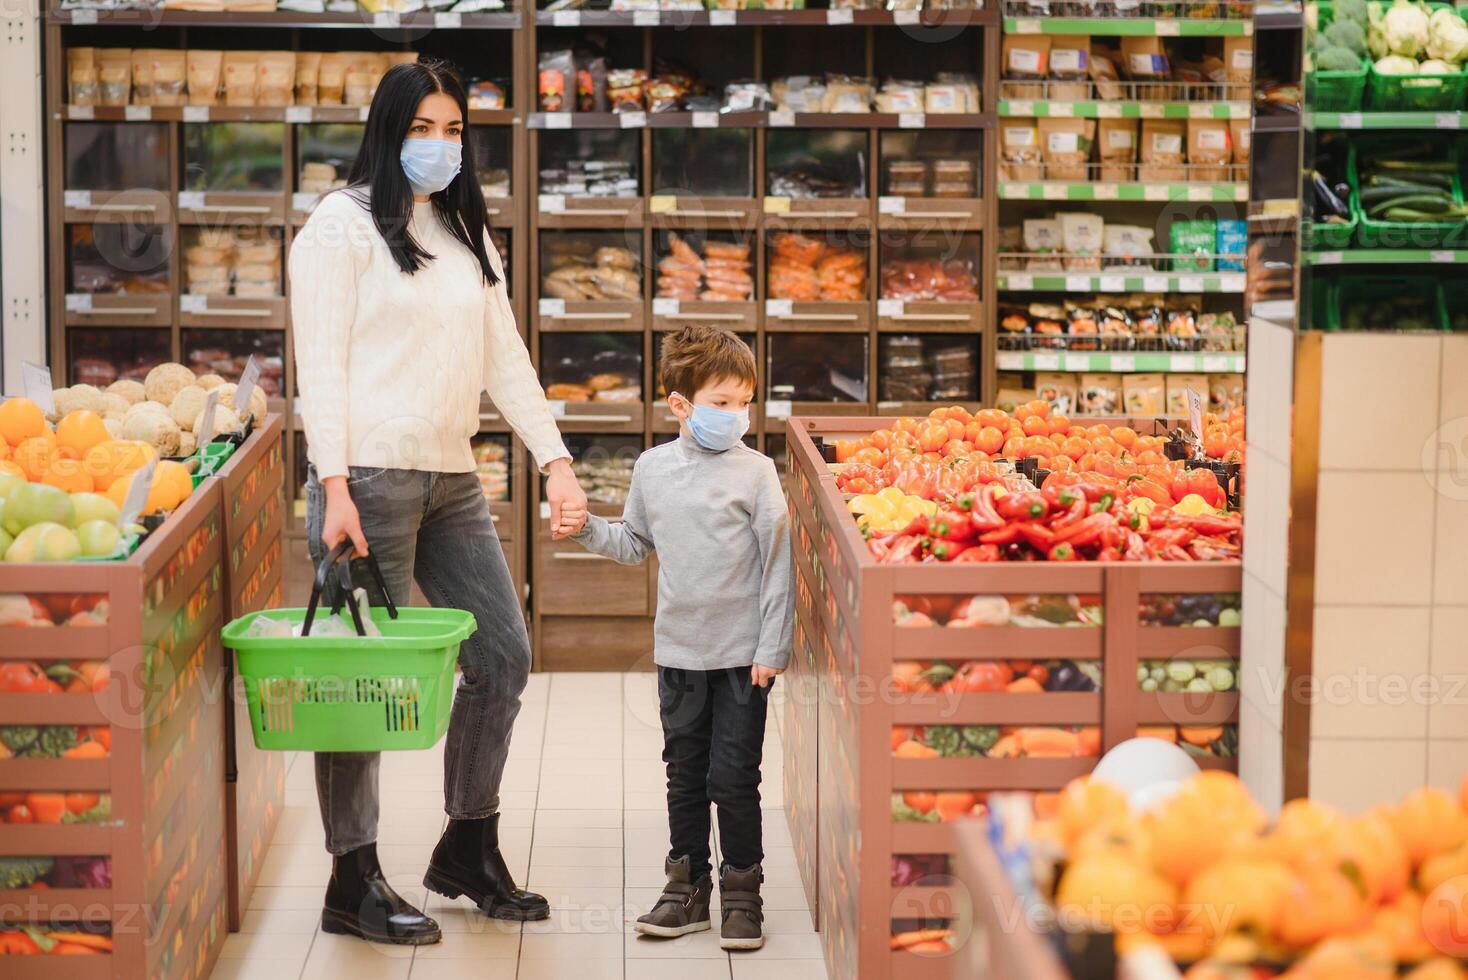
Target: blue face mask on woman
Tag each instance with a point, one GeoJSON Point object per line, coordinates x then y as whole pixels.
{"type": "Point", "coordinates": [430, 165]}
{"type": "Point", "coordinates": [715, 429]}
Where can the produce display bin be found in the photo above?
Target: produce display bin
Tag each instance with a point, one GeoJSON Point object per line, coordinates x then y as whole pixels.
{"type": "Point", "coordinates": [1372, 233]}
{"type": "Point", "coordinates": [841, 772]}
{"type": "Point", "coordinates": [1415, 93]}
{"type": "Point", "coordinates": [1335, 91]}
{"type": "Point", "coordinates": [157, 756]}
{"type": "Point", "coordinates": [1349, 292]}
{"type": "Point", "coordinates": [253, 484]}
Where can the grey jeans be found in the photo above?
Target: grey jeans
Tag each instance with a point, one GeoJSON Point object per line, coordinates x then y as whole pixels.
{"type": "Point", "coordinates": [434, 528]}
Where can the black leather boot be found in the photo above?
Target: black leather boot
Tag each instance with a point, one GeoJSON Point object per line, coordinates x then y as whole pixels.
{"type": "Point", "coordinates": [360, 902]}
{"type": "Point", "coordinates": [467, 861]}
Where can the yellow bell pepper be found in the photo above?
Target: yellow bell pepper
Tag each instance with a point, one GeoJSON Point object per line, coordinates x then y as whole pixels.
{"type": "Point", "coordinates": [1193, 505]}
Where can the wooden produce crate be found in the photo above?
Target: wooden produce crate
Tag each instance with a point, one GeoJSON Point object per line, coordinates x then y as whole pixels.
{"type": "Point", "coordinates": [843, 704]}
{"type": "Point", "coordinates": [253, 485]}
{"type": "Point", "coordinates": [154, 621]}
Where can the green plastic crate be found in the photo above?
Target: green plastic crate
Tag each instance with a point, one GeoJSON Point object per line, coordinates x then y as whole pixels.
{"type": "Point", "coordinates": [1322, 301]}
{"type": "Point", "coordinates": [1366, 288]}
{"type": "Point", "coordinates": [1373, 233]}
{"type": "Point", "coordinates": [1335, 91]}
{"type": "Point", "coordinates": [1415, 93]}
{"type": "Point", "coordinates": [1321, 236]}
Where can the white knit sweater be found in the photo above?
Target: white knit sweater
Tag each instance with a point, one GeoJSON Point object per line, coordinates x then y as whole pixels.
{"type": "Point", "coordinates": [390, 366]}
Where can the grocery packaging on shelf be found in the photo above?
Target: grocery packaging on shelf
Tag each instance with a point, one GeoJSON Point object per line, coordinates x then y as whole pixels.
{"type": "Point", "coordinates": [930, 367]}
{"type": "Point", "coordinates": [492, 463]}
{"type": "Point", "coordinates": [721, 273]}
{"type": "Point", "coordinates": [241, 262]}
{"type": "Point", "coordinates": [1141, 69]}
{"type": "Point", "coordinates": [586, 367]}
{"type": "Point", "coordinates": [1080, 241]}
{"type": "Point", "coordinates": [808, 268]}
{"type": "Point", "coordinates": [579, 268]}
{"type": "Point", "coordinates": [1139, 322]}
{"type": "Point", "coordinates": [951, 281]}
{"type": "Point", "coordinates": [95, 251]}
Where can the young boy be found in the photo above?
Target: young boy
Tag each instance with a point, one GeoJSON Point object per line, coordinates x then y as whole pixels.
{"type": "Point", "coordinates": [713, 510]}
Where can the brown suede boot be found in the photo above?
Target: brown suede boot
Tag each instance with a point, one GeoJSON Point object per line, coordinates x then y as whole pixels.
{"type": "Point", "coordinates": [683, 906]}
{"type": "Point", "coordinates": [741, 907]}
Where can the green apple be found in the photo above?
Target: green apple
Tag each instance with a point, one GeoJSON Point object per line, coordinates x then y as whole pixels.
{"type": "Point", "coordinates": [5, 542]}
{"type": "Point", "coordinates": [8, 482]}
{"type": "Point", "coordinates": [37, 503]}
{"type": "Point", "coordinates": [46, 541]}
{"type": "Point", "coordinates": [94, 507]}
{"type": "Point", "coordinates": [98, 538]}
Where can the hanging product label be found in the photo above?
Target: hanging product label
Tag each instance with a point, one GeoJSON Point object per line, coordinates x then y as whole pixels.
{"type": "Point", "coordinates": [137, 113]}
{"type": "Point", "coordinates": [1195, 413]}
{"type": "Point", "coordinates": [35, 383]}
{"type": "Point", "coordinates": [891, 307]}
{"type": "Point", "coordinates": [78, 302]}
{"type": "Point", "coordinates": [552, 203]}
{"type": "Point", "coordinates": [777, 307]}
{"type": "Point", "coordinates": [249, 377]}
{"type": "Point", "coordinates": [722, 18]}
{"type": "Point", "coordinates": [190, 200]}
{"type": "Point", "coordinates": [841, 16]}
{"type": "Point", "coordinates": [645, 18]}
{"type": "Point", "coordinates": [665, 307]}
{"type": "Point", "coordinates": [206, 424]}
{"type": "Point", "coordinates": [193, 303]}
{"type": "Point", "coordinates": [80, 112]}
{"type": "Point", "coordinates": [195, 113]}
{"type": "Point", "coordinates": [552, 307]}
{"type": "Point", "coordinates": [298, 114]}
{"type": "Point", "coordinates": [891, 205]}
{"type": "Point", "coordinates": [632, 120]}
{"type": "Point", "coordinates": [705, 120]}
{"type": "Point", "coordinates": [566, 18]}
{"type": "Point", "coordinates": [779, 409]}
{"type": "Point", "coordinates": [782, 117]}
{"type": "Point", "coordinates": [137, 494]}
{"type": "Point", "coordinates": [448, 19]}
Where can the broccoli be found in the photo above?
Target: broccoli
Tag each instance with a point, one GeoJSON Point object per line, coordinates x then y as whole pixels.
{"type": "Point", "coordinates": [1347, 34]}
{"type": "Point", "coordinates": [1337, 59]}
{"type": "Point", "coordinates": [19, 738]}
{"type": "Point", "coordinates": [54, 740]}
{"type": "Point", "coordinates": [979, 739]}
{"type": "Point", "coordinates": [22, 872]}
{"type": "Point", "coordinates": [1319, 45]}
{"type": "Point", "coordinates": [1351, 10]}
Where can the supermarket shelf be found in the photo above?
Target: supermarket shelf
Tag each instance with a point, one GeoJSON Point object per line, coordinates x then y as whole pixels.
{"type": "Point", "coordinates": [1129, 26]}
{"type": "Point", "coordinates": [1387, 256]}
{"type": "Point", "coordinates": [1386, 120]}
{"type": "Point", "coordinates": [1277, 122]}
{"type": "Point", "coordinates": [305, 114]}
{"type": "Point", "coordinates": [501, 20]}
{"type": "Point", "coordinates": [765, 18]}
{"type": "Point", "coordinates": [1197, 282]}
{"type": "Point", "coordinates": [1124, 110]}
{"type": "Point", "coordinates": [1054, 190]}
{"type": "Point", "coordinates": [748, 120]}
{"type": "Point", "coordinates": [1114, 363]}
{"type": "Point", "coordinates": [1280, 17]}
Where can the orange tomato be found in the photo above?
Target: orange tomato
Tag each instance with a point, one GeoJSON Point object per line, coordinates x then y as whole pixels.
{"type": "Point", "coordinates": [957, 447]}
{"type": "Point", "coordinates": [1125, 435]}
{"type": "Point", "coordinates": [955, 428]}
{"type": "Point", "coordinates": [1059, 424]}
{"type": "Point", "coordinates": [960, 413]}
{"type": "Point", "coordinates": [1074, 448]}
{"type": "Point", "coordinates": [1038, 407]}
{"type": "Point", "coordinates": [1013, 448]}
{"type": "Point", "coordinates": [1038, 446]}
{"type": "Point", "coordinates": [907, 424]}
{"type": "Point", "coordinates": [1034, 425]}
{"type": "Point", "coordinates": [932, 436]}
{"type": "Point", "coordinates": [870, 456]}
{"type": "Point", "coordinates": [992, 416]}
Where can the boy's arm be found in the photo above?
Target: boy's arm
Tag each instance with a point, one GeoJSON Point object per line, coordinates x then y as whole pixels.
{"type": "Point", "coordinates": [628, 542]}
{"type": "Point", "coordinates": [777, 596]}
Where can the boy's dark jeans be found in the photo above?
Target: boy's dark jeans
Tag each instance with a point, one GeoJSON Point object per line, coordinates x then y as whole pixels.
{"type": "Point", "coordinates": [713, 737]}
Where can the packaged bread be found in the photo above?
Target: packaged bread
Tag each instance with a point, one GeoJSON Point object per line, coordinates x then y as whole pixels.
{"type": "Point", "coordinates": [331, 78]}
{"type": "Point", "coordinates": [277, 78]}
{"type": "Point", "coordinates": [1162, 150]}
{"type": "Point", "coordinates": [1070, 68]}
{"type": "Point", "coordinates": [1019, 150]}
{"type": "Point", "coordinates": [1178, 386]}
{"type": "Point", "coordinates": [258, 253]}
{"type": "Point", "coordinates": [170, 76]}
{"type": "Point", "coordinates": [1144, 60]}
{"type": "Point", "coordinates": [1209, 152]}
{"type": "Point", "coordinates": [308, 70]}
{"type": "Point", "coordinates": [1082, 235]}
{"type": "Point", "coordinates": [142, 79]}
{"type": "Point", "coordinates": [257, 272]}
{"type": "Point", "coordinates": [1104, 75]}
{"type": "Point", "coordinates": [81, 76]}
{"type": "Point", "coordinates": [1065, 144]}
{"type": "Point", "coordinates": [1143, 395]}
{"type": "Point", "coordinates": [264, 289]}
{"type": "Point", "coordinates": [241, 77]}
{"type": "Point", "coordinates": [205, 70]}
{"type": "Point", "coordinates": [1116, 148]}
{"type": "Point", "coordinates": [1058, 388]}
{"type": "Point", "coordinates": [114, 76]}
{"type": "Point", "coordinates": [1099, 394]}
{"type": "Point", "coordinates": [1043, 243]}
{"type": "Point", "coordinates": [1238, 66]}
{"type": "Point", "coordinates": [1225, 392]}
{"type": "Point", "coordinates": [1026, 63]}
{"type": "Point", "coordinates": [364, 70]}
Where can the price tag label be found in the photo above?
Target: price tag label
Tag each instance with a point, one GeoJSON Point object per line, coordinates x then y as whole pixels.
{"type": "Point", "coordinates": [911, 120]}
{"type": "Point", "coordinates": [552, 203]}
{"type": "Point", "coordinates": [1155, 192]}
{"type": "Point", "coordinates": [137, 113]}
{"type": "Point", "coordinates": [362, 112]}
{"type": "Point", "coordinates": [1021, 107]}
{"type": "Point", "coordinates": [304, 200]}
{"type": "Point", "coordinates": [1200, 194]}
{"type": "Point", "coordinates": [1108, 110]}
{"type": "Point", "coordinates": [192, 303]}
{"type": "Point", "coordinates": [1190, 284]}
{"type": "Point", "coordinates": [1350, 120]}
{"type": "Point", "coordinates": [1200, 110]}
{"type": "Point", "coordinates": [84, 16]}
{"type": "Point", "coordinates": [1447, 120]}
{"type": "Point", "coordinates": [1021, 281]}
{"type": "Point", "coordinates": [1441, 256]}
{"type": "Point", "coordinates": [566, 18]}
{"type": "Point", "coordinates": [1054, 192]}
{"type": "Point", "coordinates": [1150, 110]}
{"type": "Point", "coordinates": [777, 307]}
{"type": "Point", "coordinates": [1015, 192]}
{"type": "Point", "coordinates": [842, 16]}
{"type": "Point", "coordinates": [777, 409]}
{"type": "Point", "coordinates": [1168, 28]}
{"type": "Point", "coordinates": [448, 19]}
{"type": "Point", "coordinates": [891, 307]}
{"type": "Point", "coordinates": [1154, 284]}
{"type": "Point", "coordinates": [552, 307]}
{"type": "Point", "coordinates": [722, 18]}
{"type": "Point", "coordinates": [557, 120]}
{"type": "Point", "coordinates": [1010, 362]}
{"type": "Point", "coordinates": [1062, 110]}
{"type": "Point", "coordinates": [386, 18]}
{"type": "Point", "coordinates": [80, 112]}
{"type": "Point", "coordinates": [35, 383]}
{"type": "Point", "coordinates": [1027, 25]}
{"type": "Point", "coordinates": [1078, 284]}
{"type": "Point", "coordinates": [1231, 282]}
{"type": "Point", "coordinates": [662, 203]}
{"type": "Point", "coordinates": [1123, 362]}
{"type": "Point", "coordinates": [190, 200]}
{"type": "Point", "coordinates": [632, 120]}
{"type": "Point", "coordinates": [705, 120]}
{"type": "Point", "coordinates": [1216, 364]}
{"type": "Point", "coordinates": [206, 430]}
{"type": "Point", "coordinates": [665, 307]}
{"type": "Point", "coordinates": [1195, 412]}
{"type": "Point", "coordinates": [1047, 362]}
{"type": "Point", "coordinates": [1107, 192]}
{"type": "Point", "coordinates": [907, 18]}
{"type": "Point", "coordinates": [249, 377]}
{"type": "Point", "coordinates": [782, 117]}
{"type": "Point", "coordinates": [195, 113]}
{"type": "Point", "coordinates": [137, 494]}
{"type": "Point", "coordinates": [78, 302]}
{"type": "Point", "coordinates": [557, 409]}
{"type": "Point", "coordinates": [1077, 362]}
{"type": "Point", "coordinates": [545, 510]}
{"type": "Point", "coordinates": [77, 199]}
{"type": "Point", "coordinates": [1327, 258]}
{"type": "Point", "coordinates": [777, 205]}
{"type": "Point", "coordinates": [1113, 284]}
{"type": "Point", "coordinates": [298, 114]}
{"type": "Point", "coordinates": [645, 18]}
{"type": "Point", "coordinates": [891, 205]}
{"type": "Point", "coordinates": [1184, 362]}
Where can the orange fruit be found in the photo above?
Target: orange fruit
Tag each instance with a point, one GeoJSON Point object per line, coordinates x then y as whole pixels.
{"type": "Point", "coordinates": [107, 461]}
{"type": "Point", "coordinates": [1109, 889]}
{"type": "Point", "coordinates": [21, 419]}
{"type": "Point", "coordinates": [1445, 917]}
{"type": "Point", "coordinates": [1319, 904]}
{"type": "Point", "coordinates": [1038, 407]}
{"type": "Point", "coordinates": [34, 455]}
{"type": "Point", "coordinates": [1378, 855]}
{"type": "Point", "coordinates": [67, 474]}
{"type": "Point", "coordinates": [1399, 923]}
{"type": "Point", "coordinates": [1059, 424]}
{"type": "Point", "coordinates": [165, 493]}
{"type": "Point", "coordinates": [7, 466]}
{"type": "Point", "coordinates": [1238, 893]}
{"type": "Point", "coordinates": [1085, 803]}
{"type": "Point", "coordinates": [80, 430]}
{"type": "Point", "coordinates": [1429, 822]}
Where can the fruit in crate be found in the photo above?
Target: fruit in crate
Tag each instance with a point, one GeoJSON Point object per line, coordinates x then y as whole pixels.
{"type": "Point", "coordinates": [36, 503]}
{"type": "Point", "coordinates": [44, 541]}
{"type": "Point", "coordinates": [889, 509]}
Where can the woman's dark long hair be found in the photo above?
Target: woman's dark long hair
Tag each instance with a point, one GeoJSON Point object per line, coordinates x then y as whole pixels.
{"type": "Point", "coordinates": [378, 168]}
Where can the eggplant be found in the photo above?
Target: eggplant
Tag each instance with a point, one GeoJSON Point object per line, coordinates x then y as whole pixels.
{"type": "Point", "coordinates": [1069, 676]}
{"type": "Point", "coordinates": [1326, 200]}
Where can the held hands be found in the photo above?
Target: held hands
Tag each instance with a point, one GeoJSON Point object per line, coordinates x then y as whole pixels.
{"type": "Point", "coordinates": [567, 500]}
{"type": "Point", "coordinates": [762, 676]}
{"type": "Point", "coordinates": [341, 520]}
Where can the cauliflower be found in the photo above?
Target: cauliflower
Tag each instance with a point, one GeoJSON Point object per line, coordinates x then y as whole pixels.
{"type": "Point", "coordinates": [165, 381]}
{"type": "Point", "coordinates": [208, 381]}
{"type": "Point", "coordinates": [187, 404]}
{"type": "Point", "coordinates": [257, 406]}
{"type": "Point", "coordinates": [188, 444]}
{"type": "Point", "coordinates": [143, 408]}
{"type": "Point", "coordinates": [1312, 16]}
{"type": "Point", "coordinates": [76, 397]}
{"type": "Point", "coordinates": [225, 421]}
{"type": "Point", "coordinates": [1447, 36]}
{"type": "Point", "coordinates": [1395, 64]}
{"type": "Point", "coordinates": [1376, 31]}
{"type": "Point", "coordinates": [113, 427]}
{"type": "Point", "coordinates": [129, 389]}
{"type": "Point", "coordinates": [114, 406]}
{"type": "Point", "coordinates": [1405, 24]}
{"type": "Point", "coordinates": [158, 429]}
{"type": "Point", "coordinates": [1347, 34]}
{"type": "Point", "coordinates": [1433, 66]}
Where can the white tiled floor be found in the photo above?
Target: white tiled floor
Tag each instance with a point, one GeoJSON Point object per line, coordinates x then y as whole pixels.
{"type": "Point", "coordinates": [582, 820]}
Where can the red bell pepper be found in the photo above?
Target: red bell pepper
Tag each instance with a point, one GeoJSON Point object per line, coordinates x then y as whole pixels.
{"type": "Point", "coordinates": [979, 552]}
{"type": "Point", "coordinates": [1064, 551]}
{"type": "Point", "coordinates": [1087, 532]}
{"type": "Point", "coordinates": [1075, 512]}
{"type": "Point", "coordinates": [946, 550]}
{"type": "Point", "coordinates": [1024, 506]}
{"type": "Point", "coordinates": [1037, 535]}
{"type": "Point", "coordinates": [978, 676]}
{"type": "Point", "coordinates": [952, 525]}
{"type": "Point", "coordinates": [903, 548]}
{"type": "Point", "coordinates": [980, 505]}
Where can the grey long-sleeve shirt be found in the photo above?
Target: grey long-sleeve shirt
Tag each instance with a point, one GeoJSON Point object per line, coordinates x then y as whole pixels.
{"type": "Point", "coordinates": [718, 523]}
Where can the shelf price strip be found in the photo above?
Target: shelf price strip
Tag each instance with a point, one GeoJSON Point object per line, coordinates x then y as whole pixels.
{"type": "Point", "coordinates": [1062, 191]}
{"type": "Point", "coordinates": [1205, 282]}
{"type": "Point", "coordinates": [1108, 362]}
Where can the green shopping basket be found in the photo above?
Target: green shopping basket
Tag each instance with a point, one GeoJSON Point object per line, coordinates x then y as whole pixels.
{"type": "Point", "coordinates": [356, 693]}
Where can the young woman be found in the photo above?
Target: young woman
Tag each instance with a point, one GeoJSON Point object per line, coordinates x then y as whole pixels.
{"type": "Point", "coordinates": [401, 320]}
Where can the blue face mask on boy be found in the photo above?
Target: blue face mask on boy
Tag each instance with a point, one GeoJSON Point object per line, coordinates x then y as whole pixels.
{"type": "Point", "coordinates": [430, 165]}
{"type": "Point", "coordinates": [715, 429]}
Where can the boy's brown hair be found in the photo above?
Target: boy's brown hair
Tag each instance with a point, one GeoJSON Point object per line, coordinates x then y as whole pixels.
{"type": "Point", "coordinates": [694, 356]}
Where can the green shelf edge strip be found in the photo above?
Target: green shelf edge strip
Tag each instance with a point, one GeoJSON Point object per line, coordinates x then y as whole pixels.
{"type": "Point", "coordinates": [1131, 26]}
{"type": "Point", "coordinates": [1386, 120]}
{"type": "Point", "coordinates": [1118, 363]}
{"type": "Point", "coordinates": [1042, 108]}
{"type": "Point", "coordinates": [1188, 282]}
{"type": "Point", "coordinates": [1386, 256]}
{"type": "Point", "coordinates": [1086, 191]}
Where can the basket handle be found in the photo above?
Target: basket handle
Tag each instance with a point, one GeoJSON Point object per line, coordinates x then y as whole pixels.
{"type": "Point", "coordinates": [344, 581]}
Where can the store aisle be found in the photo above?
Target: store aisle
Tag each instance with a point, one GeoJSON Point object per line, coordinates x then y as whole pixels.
{"type": "Point", "coordinates": [583, 822]}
